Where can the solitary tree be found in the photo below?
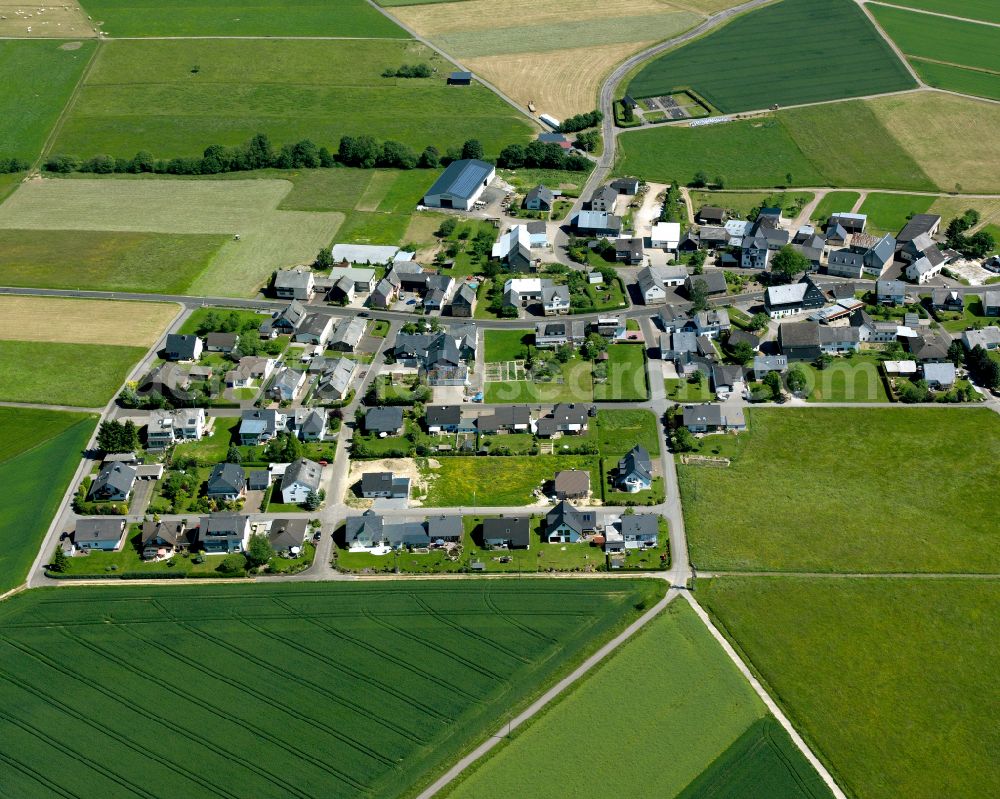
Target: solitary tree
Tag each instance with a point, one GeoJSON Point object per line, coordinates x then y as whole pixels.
{"type": "Point", "coordinates": [233, 455]}
{"type": "Point", "coordinates": [59, 561]}
{"type": "Point", "coordinates": [473, 148]}
{"type": "Point", "coordinates": [789, 262]}
{"type": "Point", "coordinates": [312, 501]}
{"type": "Point", "coordinates": [324, 259]}
{"type": "Point", "coordinates": [796, 379]}
{"type": "Point", "coordinates": [759, 321]}
{"type": "Point", "coordinates": [683, 440]}
{"type": "Point", "coordinates": [742, 352]}
{"type": "Point", "coordinates": [259, 550]}
{"type": "Point", "coordinates": [699, 295]}
{"type": "Point", "coordinates": [773, 381]}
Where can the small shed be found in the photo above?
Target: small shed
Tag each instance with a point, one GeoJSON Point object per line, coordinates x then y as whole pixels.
{"type": "Point", "coordinates": [460, 79]}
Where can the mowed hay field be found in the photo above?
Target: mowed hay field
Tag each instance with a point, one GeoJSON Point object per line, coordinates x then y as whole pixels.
{"type": "Point", "coordinates": [552, 55]}
{"type": "Point", "coordinates": [816, 39]}
{"type": "Point", "coordinates": [234, 18]}
{"type": "Point", "coordinates": [175, 98]}
{"type": "Point", "coordinates": [37, 448]}
{"type": "Point", "coordinates": [694, 705]}
{"type": "Point", "coordinates": [330, 690]}
{"type": "Point", "coordinates": [922, 141]}
{"type": "Point", "coordinates": [892, 681]}
{"type": "Point", "coordinates": [38, 78]}
{"type": "Point", "coordinates": [73, 352]}
{"type": "Point", "coordinates": [832, 490]}
{"type": "Point", "coordinates": [42, 20]}
{"type": "Point", "coordinates": [269, 238]}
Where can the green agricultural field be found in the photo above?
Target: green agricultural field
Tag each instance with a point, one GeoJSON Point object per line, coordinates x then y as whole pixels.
{"type": "Point", "coordinates": [230, 18]}
{"type": "Point", "coordinates": [281, 690]}
{"type": "Point", "coordinates": [985, 10]}
{"type": "Point", "coordinates": [819, 490]}
{"type": "Point", "coordinates": [268, 238]}
{"type": "Point", "coordinates": [506, 345]}
{"type": "Point", "coordinates": [81, 375]}
{"type": "Point", "coordinates": [694, 707]}
{"type": "Point", "coordinates": [497, 481]}
{"type": "Point", "coordinates": [176, 97]}
{"type": "Point", "coordinates": [39, 76]}
{"type": "Point", "coordinates": [790, 148]}
{"type": "Point", "coordinates": [835, 202]}
{"type": "Point", "coordinates": [893, 672]}
{"type": "Point", "coordinates": [626, 374]}
{"type": "Point", "coordinates": [105, 261]}
{"type": "Point", "coordinates": [619, 431]}
{"type": "Point", "coordinates": [959, 79]}
{"type": "Point", "coordinates": [845, 44]}
{"type": "Point", "coordinates": [888, 213]}
{"type": "Point", "coordinates": [941, 39]}
{"type": "Point", "coordinates": [36, 448]}
{"type": "Point", "coordinates": [742, 203]}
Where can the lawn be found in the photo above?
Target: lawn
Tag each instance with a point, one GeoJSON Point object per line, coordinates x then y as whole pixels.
{"type": "Point", "coordinates": [888, 679]}
{"type": "Point", "coordinates": [834, 202]}
{"type": "Point", "coordinates": [888, 213]}
{"type": "Point", "coordinates": [39, 77]}
{"type": "Point", "coordinates": [789, 148]}
{"type": "Point", "coordinates": [383, 684]}
{"type": "Point", "coordinates": [575, 383]}
{"type": "Point", "coordinates": [940, 39]}
{"type": "Point", "coordinates": [619, 431]}
{"type": "Point", "coordinates": [680, 390]}
{"type": "Point", "coordinates": [742, 203]}
{"type": "Point", "coordinates": [37, 448]}
{"type": "Point", "coordinates": [81, 375]}
{"type": "Point", "coordinates": [176, 97]}
{"type": "Point", "coordinates": [693, 707]}
{"type": "Point", "coordinates": [846, 44]}
{"type": "Point", "coordinates": [854, 379]}
{"type": "Point", "coordinates": [569, 183]}
{"type": "Point", "coordinates": [229, 18]}
{"type": "Point", "coordinates": [819, 489]}
{"type": "Point", "coordinates": [497, 481]}
{"type": "Point", "coordinates": [105, 261]}
{"type": "Point", "coordinates": [211, 449]}
{"type": "Point", "coordinates": [625, 374]}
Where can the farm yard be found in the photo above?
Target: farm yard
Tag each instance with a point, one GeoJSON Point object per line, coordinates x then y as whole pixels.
{"type": "Point", "coordinates": [96, 341]}
{"type": "Point", "coordinates": [177, 97]}
{"type": "Point", "coordinates": [553, 56]}
{"type": "Point", "coordinates": [968, 51]}
{"type": "Point", "coordinates": [859, 517]}
{"type": "Point", "coordinates": [845, 44]}
{"type": "Point", "coordinates": [230, 18]}
{"type": "Point", "coordinates": [896, 672]}
{"type": "Point", "coordinates": [38, 79]}
{"type": "Point", "coordinates": [699, 707]}
{"type": "Point", "coordinates": [387, 683]}
{"type": "Point", "coordinates": [268, 238]}
{"type": "Point", "coordinates": [37, 448]}
{"type": "Point", "coordinates": [905, 142]}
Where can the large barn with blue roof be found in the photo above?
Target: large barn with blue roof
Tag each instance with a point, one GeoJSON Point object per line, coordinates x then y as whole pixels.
{"type": "Point", "coordinates": [460, 185]}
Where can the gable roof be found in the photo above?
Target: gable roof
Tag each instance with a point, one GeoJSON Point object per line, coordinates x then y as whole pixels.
{"type": "Point", "coordinates": [461, 178]}
{"type": "Point", "coordinates": [226, 478]}
{"type": "Point", "coordinates": [636, 461]}
{"type": "Point", "coordinates": [515, 530]}
{"type": "Point", "coordinates": [304, 471]}
{"type": "Point", "coordinates": [384, 419]}
{"type": "Point", "coordinates": [574, 518]}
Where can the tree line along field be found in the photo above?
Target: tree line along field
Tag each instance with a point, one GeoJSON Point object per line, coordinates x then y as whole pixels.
{"type": "Point", "coordinates": [176, 97]}
{"type": "Point", "coordinates": [890, 680]}
{"type": "Point", "coordinates": [38, 79]}
{"type": "Point", "coordinates": [336, 690]}
{"type": "Point", "coordinates": [849, 490]}
{"type": "Point", "coordinates": [665, 740]}
{"type": "Point", "coordinates": [795, 51]}
{"type": "Point", "coordinates": [120, 18]}
{"type": "Point", "coordinates": [903, 142]}
{"type": "Point", "coordinates": [39, 452]}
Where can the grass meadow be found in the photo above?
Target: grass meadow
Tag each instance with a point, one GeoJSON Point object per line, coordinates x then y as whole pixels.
{"type": "Point", "coordinates": [888, 213]}
{"type": "Point", "coordinates": [231, 18]}
{"type": "Point", "coordinates": [791, 148]}
{"type": "Point", "coordinates": [39, 452]}
{"type": "Point", "coordinates": [984, 10]}
{"type": "Point", "coordinates": [619, 431]}
{"type": "Point", "coordinates": [854, 379]}
{"type": "Point", "coordinates": [626, 375]}
{"type": "Point", "coordinates": [849, 490]}
{"type": "Point", "coordinates": [693, 707]}
{"type": "Point", "coordinates": [937, 38]}
{"type": "Point", "coordinates": [39, 77]}
{"type": "Point", "coordinates": [79, 375]}
{"type": "Point", "coordinates": [890, 680]}
{"type": "Point", "coordinates": [176, 97]}
{"type": "Point", "coordinates": [281, 690]}
{"type": "Point", "coordinates": [742, 203]}
{"type": "Point", "coordinates": [498, 481]}
{"type": "Point", "coordinates": [104, 260]}
{"type": "Point", "coordinates": [959, 79]}
{"type": "Point", "coordinates": [506, 345]}
{"type": "Point", "coordinates": [835, 202]}
{"type": "Point", "coordinates": [815, 38]}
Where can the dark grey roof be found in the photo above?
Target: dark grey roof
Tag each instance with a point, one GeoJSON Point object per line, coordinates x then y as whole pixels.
{"type": "Point", "coordinates": [445, 528]}
{"type": "Point", "coordinates": [172, 532]}
{"type": "Point", "coordinates": [438, 415]}
{"type": "Point", "coordinates": [640, 524]}
{"type": "Point", "coordinates": [285, 533]}
{"type": "Point", "coordinates": [543, 192]}
{"type": "Point", "coordinates": [222, 524]}
{"type": "Point", "coordinates": [715, 282]}
{"type": "Point", "coordinates": [114, 477]}
{"type": "Point", "coordinates": [846, 258]}
{"type": "Point", "coordinates": [918, 224]}
{"type": "Point", "coordinates": [226, 478]}
{"type": "Point", "coordinates": [181, 345]}
{"type": "Point", "coordinates": [503, 417]}
{"type": "Point", "coordinates": [799, 334]}
{"type": "Point", "coordinates": [304, 471]}
{"type": "Point", "coordinates": [384, 419]}
{"type": "Point", "coordinates": [461, 178]}
{"type": "Point", "coordinates": [636, 461]}
{"type": "Point", "coordinates": [574, 518]}
{"type": "Point", "coordinates": [738, 336]}
{"type": "Point", "coordinates": [103, 528]}
{"type": "Point", "coordinates": [517, 531]}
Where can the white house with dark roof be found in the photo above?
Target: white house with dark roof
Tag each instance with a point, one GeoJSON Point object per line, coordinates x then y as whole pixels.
{"type": "Point", "coordinates": [294, 284]}
{"type": "Point", "coordinates": [635, 471]}
{"type": "Point", "coordinates": [106, 533]}
{"type": "Point", "coordinates": [300, 479]}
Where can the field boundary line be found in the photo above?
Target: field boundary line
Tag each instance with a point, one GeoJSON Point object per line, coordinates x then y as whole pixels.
{"type": "Point", "coordinates": [855, 575]}
{"type": "Point", "coordinates": [891, 43]}
{"type": "Point", "coordinates": [765, 697]}
{"type": "Point", "coordinates": [545, 699]}
{"type": "Point", "coordinates": [930, 13]}
{"type": "Point", "coordinates": [70, 103]}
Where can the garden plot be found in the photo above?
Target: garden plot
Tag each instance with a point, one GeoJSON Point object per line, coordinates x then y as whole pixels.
{"type": "Point", "coordinates": [505, 372]}
{"type": "Point", "coordinates": [268, 239]}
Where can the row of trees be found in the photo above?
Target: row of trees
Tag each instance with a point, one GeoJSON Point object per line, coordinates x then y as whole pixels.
{"type": "Point", "coordinates": [10, 165]}
{"type": "Point", "coordinates": [118, 436]}
{"type": "Point", "coordinates": [541, 155]}
{"type": "Point", "coordinates": [978, 245]}
{"type": "Point", "coordinates": [408, 71]}
{"type": "Point", "coordinates": [581, 122]}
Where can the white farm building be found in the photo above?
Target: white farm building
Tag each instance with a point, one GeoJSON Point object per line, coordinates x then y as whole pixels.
{"type": "Point", "coordinates": [460, 185]}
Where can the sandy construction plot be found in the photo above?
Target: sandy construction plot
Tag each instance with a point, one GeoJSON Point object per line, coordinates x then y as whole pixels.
{"type": "Point", "coordinates": [84, 321]}
{"type": "Point", "coordinates": [953, 139]}
{"type": "Point", "coordinates": [268, 239]}
{"type": "Point", "coordinates": [561, 82]}
{"type": "Point", "coordinates": [63, 20]}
